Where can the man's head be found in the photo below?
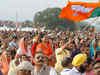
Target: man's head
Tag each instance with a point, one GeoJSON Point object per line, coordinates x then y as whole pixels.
{"type": "Point", "coordinates": [15, 38]}
{"type": "Point", "coordinates": [24, 58]}
{"type": "Point", "coordinates": [79, 61]}
{"type": "Point", "coordinates": [67, 62]}
{"type": "Point", "coordinates": [24, 68]}
{"type": "Point", "coordinates": [45, 38]}
{"type": "Point", "coordinates": [61, 43]}
{"type": "Point", "coordinates": [25, 41]}
{"type": "Point", "coordinates": [8, 54]}
{"type": "Point", "coordinates": [39, 58]}
{"type": "Point", "coordinates": [96, 67]}
{"type": "Point", "coordinates": [24, 72]}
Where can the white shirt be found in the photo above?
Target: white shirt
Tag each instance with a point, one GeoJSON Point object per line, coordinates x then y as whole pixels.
{"type": "Point", "coordinates": [52, 71]}
{"type": "Point", "coordinates": [12, 70]}
{"type": "Point", "coordinates": [74, 71]}
{"type": "Point", "coordinates": [19, 51]}
{"type": "Point", "coordinates": [65, 71]}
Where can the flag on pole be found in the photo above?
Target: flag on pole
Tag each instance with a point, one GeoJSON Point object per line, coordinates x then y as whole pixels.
{"type": "Point", "coordinates": [78, 11]}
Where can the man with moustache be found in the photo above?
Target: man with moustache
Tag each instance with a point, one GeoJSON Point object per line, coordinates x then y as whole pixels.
{"type": "Point", "coordinates": [79, 63]}
{"type": "Point", "coordinates": [40, 68]}
{"type": "Point", "coordinates": [24, 68]}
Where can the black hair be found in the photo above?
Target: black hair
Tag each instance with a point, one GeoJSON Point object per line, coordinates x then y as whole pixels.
{"type": "Point", "coordinates": [13, 53]}
{"type": "Point", "coordinates": [15, 37]}
{"type": "Point", "coordinates": [25, 38]}
{"type": "Point", "coordinates": [66, 61]}
{"type": "Point", "coordinates": [89, 60]}
{"type": "Point", "coordinates": [98, 61]}
{"type": "Point", "coordinates": [97, 53]}
{"type": "Point", "coordinates": [0, 43]}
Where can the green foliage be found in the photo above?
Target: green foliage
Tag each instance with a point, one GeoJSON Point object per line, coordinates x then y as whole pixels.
{"type": "Point", "coordinates": [96, 12]}
{"type": "Point", "coordinates": [27, 23]}
{"type": "Point", "coordinates": [84, 25]}
{"type": "Point", "coordinates": [50, 18]}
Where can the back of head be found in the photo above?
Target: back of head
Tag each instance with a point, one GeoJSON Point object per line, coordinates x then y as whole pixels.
{"type": "Point", "coordinates": [66, 62]}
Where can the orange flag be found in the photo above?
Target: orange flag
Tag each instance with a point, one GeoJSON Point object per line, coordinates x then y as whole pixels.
{"type": "Point", "coordinates": [78, 11]}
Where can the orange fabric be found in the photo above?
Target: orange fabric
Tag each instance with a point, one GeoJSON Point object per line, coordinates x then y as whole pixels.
{"type": "Point", "coordinates": [33, 48]}
{"type": "Point", "coordinates": [21, 46]}
{"type": "Point", "coordinates": [68, 12]}
{"type": "Point", "coordinates": [47, 50]}
{"type": "Point", "coordinates": [5, 63]}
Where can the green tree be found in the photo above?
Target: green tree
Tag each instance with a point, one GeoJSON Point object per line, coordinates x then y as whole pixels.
{"type": "Point", "coordinates": [84, 26]}
{"type": "Point", "coordinates": [49, 17]}
{"type": "Point", "coordinates": [27, 23]}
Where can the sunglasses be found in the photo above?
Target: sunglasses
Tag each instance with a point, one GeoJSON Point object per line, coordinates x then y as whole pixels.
{"type": "Point", "coordinates": [40, 57]}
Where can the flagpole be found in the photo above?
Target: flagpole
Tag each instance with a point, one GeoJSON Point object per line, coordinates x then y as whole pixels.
{"type": "Point", "coordinates": [16, 21]}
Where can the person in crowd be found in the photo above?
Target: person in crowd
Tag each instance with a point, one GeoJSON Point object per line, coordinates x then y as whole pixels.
{"type": "Point", "coordinates": [14, 43]}
{"type": "Point", "coordinates": [67, 65]}
{"type": "Point", "coordinates": [5, 61]}
{"type": "Point", "coordinates": [52, 60]}
{"type": "Point", "coordinates": [45, 46]}
{"type": "Point", "coordinates": [40, 68]}
{"type": "Point", "coordinates": [12, 67]}
{"type": "Point", "coordinates": [77, 50]}
{"type": "Point", "coordinates": [61, 53]}
{"type": "Point", "coordinates": [24, 68]}
{"type": "Point", "coordinates": [35, 43]}
{"type": "Point", "coordinates": [55, 49]}
{"type": "Point", "coordinates": [92, 48]}
{"type": "Point", "coordinates": [0, 64]}
{"type": "Point", "coordinates": [97, 45]}
{"type": "Point", "coordinates": [97, 55]}
{"type": "Point", "coordinates": [89, 67]}
{"type": "Point", "coordinates": [23, 47]}
{"type": "Point", "coordinates": [79, 65]}
{"type": "Point", "coordinates": [96, 67]}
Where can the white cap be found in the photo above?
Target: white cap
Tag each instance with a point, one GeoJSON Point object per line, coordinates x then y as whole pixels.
{"type": "Point", "coordinates": [25, 65]}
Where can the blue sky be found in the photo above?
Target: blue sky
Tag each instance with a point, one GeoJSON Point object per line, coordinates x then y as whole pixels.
{"type": "Point", "coordinates": [27, 8]}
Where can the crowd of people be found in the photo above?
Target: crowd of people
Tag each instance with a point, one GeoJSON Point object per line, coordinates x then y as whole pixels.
{"type": "Point", "coordinates": [49, 53]}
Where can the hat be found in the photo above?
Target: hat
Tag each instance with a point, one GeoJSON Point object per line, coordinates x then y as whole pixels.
{"type": "Point", "coordinates": [25, 65]}
{"type": "Point", "coordinates": [79, 59]}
